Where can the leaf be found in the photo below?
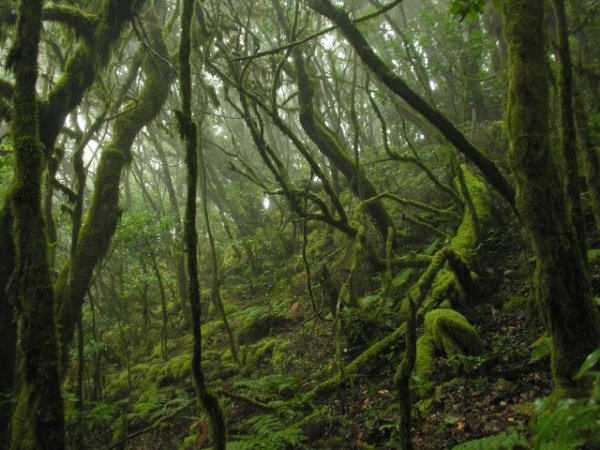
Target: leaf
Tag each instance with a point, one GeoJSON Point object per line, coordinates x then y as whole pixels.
{"type": "Point", "coordinates": [589, 362]}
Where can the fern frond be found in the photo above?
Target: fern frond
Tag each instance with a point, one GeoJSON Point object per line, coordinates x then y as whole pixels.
{"type": "Point", "coordinates": [541, 349]}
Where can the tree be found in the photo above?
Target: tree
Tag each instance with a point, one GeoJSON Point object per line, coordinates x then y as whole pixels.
{"type": "Point", "coordinates": [30, 286]}
{"type": "Point", "coordinates": [562, 285]}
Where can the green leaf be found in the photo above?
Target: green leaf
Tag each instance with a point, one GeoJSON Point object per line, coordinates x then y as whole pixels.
{"type": "Point", "coordinates": [587, 365]}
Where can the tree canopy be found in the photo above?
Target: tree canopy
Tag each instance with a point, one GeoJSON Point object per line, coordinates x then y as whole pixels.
{"type": "Point", "coordinates": [299, 224]}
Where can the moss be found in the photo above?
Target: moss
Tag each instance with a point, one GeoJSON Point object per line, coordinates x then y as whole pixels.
{"type": "Point", "coordinates": [445, 305]}
{"type": "Point", "coordinates": [593, 254]}
{"type": "Point", "coordinates": [502, 384]}
{"type": "Point", "coordinates": [101, 221]}
{"type": "Point", "coordinates": [453, 334]}
{"type": "Point", "coordinates": [561, 280]}
{"type": "Point", "coordinates": [445, 288]}
{"type": "Point", "coordinates": [364, 360]}
{"type": "Point", "coordinates": [272, 350]}
{"type": "Point", "coordinates": [21, 431]}
{"type": "Point", "coordinates": [282, 353]}
{"type": "Point", "coordinates": [176, 369]}
{"type": "Point", "coordinates": [211, 328]}
{"type": "Point", "coordinates": [424, 366]}
{"type": "Point", "coordinates": [30, 287]}
{"type": "Point", "coordinates": [515, 303]}
{"type": "Point", "coordinates": [425, 406]}
{"type": "Point", "coordinates": [120, 430]}
{"type": "Point", "coordinates": [466, 238]}
{"type": "Point", "coordinates": [525, 409]}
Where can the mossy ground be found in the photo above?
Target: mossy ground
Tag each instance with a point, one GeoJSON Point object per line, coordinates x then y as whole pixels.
{"type": "Point", "coordinates": [282, 362]}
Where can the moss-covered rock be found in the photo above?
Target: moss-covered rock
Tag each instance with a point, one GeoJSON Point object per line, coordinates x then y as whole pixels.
{"type": "Point", "coordinates": [453, 334]}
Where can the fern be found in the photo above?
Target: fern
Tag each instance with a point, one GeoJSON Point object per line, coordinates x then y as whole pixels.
{"type": "Point", "coordinates": [501, 441]}
{"type": "Point", "coordinates": [267, 432]}
{"type": "Point", "coordinates": [248, 316]}
{"type": "Point", "coordinates": [541, 349]}
{"type": "Point", "coordinates": [268, 384]}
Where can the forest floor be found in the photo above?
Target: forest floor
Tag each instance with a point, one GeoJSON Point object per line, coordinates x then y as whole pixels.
{"type": "Point", "coordinates": [497, 397]}
{"type": "Point", "coordinates": [289, 354]}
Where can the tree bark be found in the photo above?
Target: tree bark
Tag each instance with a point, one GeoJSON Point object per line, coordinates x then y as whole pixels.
{"type": "Point", "coordinates": [189, 134]}
{"type": "Point", "coordinates": [568, 136]}
{"type": "Point", "coordinates": [104, 213]}
{"type": "Point", "coordinates": [562, 286]}
{"type": "Point", "coordinates": [30, 287]}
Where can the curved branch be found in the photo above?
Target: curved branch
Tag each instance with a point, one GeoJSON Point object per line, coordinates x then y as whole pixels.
{"type": "Point", "coordinates": [82, 22]}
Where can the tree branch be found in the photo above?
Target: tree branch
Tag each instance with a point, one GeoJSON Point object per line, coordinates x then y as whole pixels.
{"type": "Point", "coordinates": [281, 48]}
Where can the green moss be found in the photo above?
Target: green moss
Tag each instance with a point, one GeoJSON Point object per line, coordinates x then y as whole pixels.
{"type": "Point", "coordinates": [525, 409]}
{"type": "Point", "coordinates": [104, 212]}
{"type": "Point", "coordinates": [561, 282]}
{"type": "Point", "coordinates": [425, 406]}
{"type": "Point", "coordinates": [445, 304]}
{"type": "Point", "coordinates": [445, 287]}
{"type": "Point", "coordinates": [176, 369]}
{"type": "Point", "coordinates": [227, 357]}
{"type": "Point", "coordinates": [453, 334]}
{"type": "Point", "coordinates": [120, 430]}
{"type": "Point", "coordinates": [501, 383]}
{"type": "Point", "coordinates": [515, 303]}
{"type": "Point", "coordinates": [465, 240]}
{"type": "Point", "coordinates": [425, 353]}
{"type": "Point", "coordinates": [424, 367]}
{"type": "Point", "coordinates": [21, 431]}
{"type": "Point", "coordinates": [282, 353]}
{"type": "Point", "coordinates": [593, 254]}
{"type": "Point", "coordinates": [272, 350]}
{"type": "Point", "coordinates": [211, 328]}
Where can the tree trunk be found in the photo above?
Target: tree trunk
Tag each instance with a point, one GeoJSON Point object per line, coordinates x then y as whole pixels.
{"type": "Point", "coordinates": [8, 328]}
{"type": "Point", "coordinates": [189, 134]}
{"type": "Point", "coordinates": [101, 221]}
{"type": "Point", "coordinates": [561, 281]}
{"type": "Point", "coordinates": [30, 287]}
{"type": "Point", "coordinates": [328, 142]}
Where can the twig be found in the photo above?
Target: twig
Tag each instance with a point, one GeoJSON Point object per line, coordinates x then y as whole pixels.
{"type": "Point", "coordinates": [281, 48]}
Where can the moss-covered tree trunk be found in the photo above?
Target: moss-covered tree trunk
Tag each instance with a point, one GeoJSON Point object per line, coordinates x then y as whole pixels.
{"type": "Point", "coordinates": [561, 280]}
{"type": "Point", "coordinates": [88, 57]}
{"type": "Point", "coordinates": [104, 213]}
{"type": "Point", "coordinates": [589, 153]}
{"type": "Point", "coordinates": [189, 133]}
{"type": "Point", "coordinates": [8, 328]}
{"type": "Point", "coordinates": [568, 137]}
{"type": "Point", "coordinates": [30, 286]}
